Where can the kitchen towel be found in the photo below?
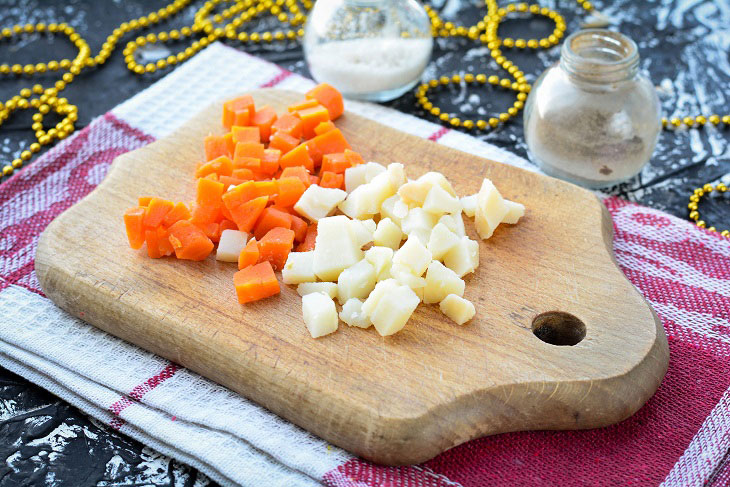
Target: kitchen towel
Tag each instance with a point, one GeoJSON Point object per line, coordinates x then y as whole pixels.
{"type": "Point", "coordinates": [680, 437]}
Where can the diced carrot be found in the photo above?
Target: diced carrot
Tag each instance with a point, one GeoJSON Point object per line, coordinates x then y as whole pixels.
{"type": "Point", "coordinates": [353, 157]}
{"type": "Point", "coordinates": [239, 195]}
{"type": "Point", "coordinates": [205, 214]}
{"type": "Point", "coordinates": [328, 96]}
{"type": "Point", "coordinates": [285, 209]}
{"type": "Point", "coordinates": [289, 191]}
{"type": "Point", "coordinates": [246, 134]}
{"type": "Point", "coordinates": [266, 188]}
{"type": "Point", "coordinates": [230, 180]}
{"type": "Point", "coordinates": [157, 243]}
{"type": "Point", "coordinates": [144, 200]}
{"type": "Point", "coordinates": [311, 117]}
{"type": "Point", "coordinates": [230, 143]}
{"type": "Point", "coordinates": [327, 143]}
{"type": "Point", "coordinates": [208, 201]}
{"type": "Point", "coordinates": [242, 173]}
{"type": "Point", "coordinates": [275, 246]}
{"type": "Point", "coordinates": [156, 212]}
{"type": "Point", "coordinates": [299, 156]}
{"type": "Point", "coordinates": [134, 224]}
{"type": "Point", "coordinates": [238, 111]}
{"type": "Point", "coordinates": [264, 119]}
{"type": "Point", "coordinates": [313, 179]}
{"type": "Point", "coordinates": [289, 124]}
{"type": "Point", "coordinates": [212, 176]}
{"type": "Point", "coordinates": [261, 176]}
{"type": "Point", "coordinates": [323, 127]}
{"type": "Point", "coordinates": [270, 161]}
{"type": "Point", "coordinates": [210, 229]}
{"type": "Point", "coordinates": [216, 146]}
{"type": "Point", "coordinates": [255, 282]}
{"type": "Point", "coordinates": [301, 105]}
{"type": "Point", "coordinates": [332, 180]}
{"type": "Point", "coordinates": [283, 141]}
{"type": "Point", "coordinates": [300, 172]}
{"type": "Point", "coordinates": [227, 225]}
{"type": "Point", "coordinates": [300, 228]}
{"type": "Point", "coordinates": [248, 213]}
{"type": "Point", "coordinates": [271, 218]}
{"type": "Point", "coordinates": [249, 254]}
{"type": "Point", "coordinates": [179, 212]}
{"type": "Point", "coordinates": [189, 242]}
{"type": "Point", "coordinates": [336, 163]}
{"type": "Point", "coordinates": [221, 165]}
{"type": "Point", "coordinates": [251, 163]}
{"type": "Point", "coordinates": [309, 239]}
{"type": "Point", "coordinates": [248, 149]}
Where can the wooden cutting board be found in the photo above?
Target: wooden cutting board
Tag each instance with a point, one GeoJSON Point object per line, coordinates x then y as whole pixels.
{"type": "Point", "coordinates": [400, 399]}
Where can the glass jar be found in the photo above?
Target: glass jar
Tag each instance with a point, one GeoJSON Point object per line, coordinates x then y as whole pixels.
{"type": "Point", "coordinates": [593, 118]}
{"type": "Point", "coordinates": [368, 49]}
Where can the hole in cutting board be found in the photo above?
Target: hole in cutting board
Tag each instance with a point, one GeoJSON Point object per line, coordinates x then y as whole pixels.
{"type": "Point", "coordinates": [558, 328]}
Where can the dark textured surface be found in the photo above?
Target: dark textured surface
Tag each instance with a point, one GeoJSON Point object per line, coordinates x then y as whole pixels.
{"type": "Point", "coordinates": [685, 46]}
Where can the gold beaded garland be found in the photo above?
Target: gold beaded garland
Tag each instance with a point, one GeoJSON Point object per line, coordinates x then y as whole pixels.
{"type": "Point", "coordinates": [694, 200]}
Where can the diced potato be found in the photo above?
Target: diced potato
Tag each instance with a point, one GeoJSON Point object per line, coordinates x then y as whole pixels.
{"type": "Point", "coordinates": [423, 235]}
{"type": "Point", "coordinates": [396, 174]}
{"type": "Point", "coordinates": [414, 255]}
{"type": "Point", "coordinates": [515, 211]}
{"type": "Point", "coordinates": [387, 209]}
{"type": "Point", "coordinates": [387, 234]}
{"type": "Point", "coordinates": [414, 192]}
{"type": "Point", "coordinates": [329, 288]}
{"type": "Point", "coordinates": [320, 314]}
{"type": "Point", "coordinates": [490, 210]}
{"type": "Point", "coordinates": [469, 205]}
{"type": "Point", "coordinates": [317, 202]}
{"type": "Point", "coordinates": [362, 231]}
{"type": "Point", "coordinates": [455, 223]}
{"type": "Point", "coordinates": [439, 201]}
{"type": "Point", "coordinates": [230, 245]}
{"type": "Point", "coordinates": [394, 309]}
{"type": "Point", "coordinates": [299, 268]}
{"type": "Point", "coordinates": [380, 258]}
{"type": "Point", "coordinates": [437, 179]}
{"type": "Point", "coordinates": [335, 248]}
{"type": "Point", "coordinates": [361, 174]}
{"type": "Point", "coordinates": [464, 257]}
{"type": "Point", "coordinates": [356, 281]}
{"type": "Point", "coordinates": [366, 200]}
{"type": "Point", "coordinates": [418, 218]}
{"type": "Point", "coordinates": [352, 314]}
{"type": "Point", "coordinates": [405, 276]}
{"type": "Point", "coordinates": [382, 288]}
{"type": "Point", "coordinates": [457, 308]}
{"type": "Point", "coordinates": [440, 282]}
{"type": "Point", "coordinates": [441, 241]}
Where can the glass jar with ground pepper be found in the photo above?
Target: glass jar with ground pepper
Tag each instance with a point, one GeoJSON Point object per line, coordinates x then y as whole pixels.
{"type": "Point", "coordinates": [593, 118]}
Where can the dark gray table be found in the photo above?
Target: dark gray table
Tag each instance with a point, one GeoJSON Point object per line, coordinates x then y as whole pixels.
{"type": "Point", "coordinates": [684, 46]}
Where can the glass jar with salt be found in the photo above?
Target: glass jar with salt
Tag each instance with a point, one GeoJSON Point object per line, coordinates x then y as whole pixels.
{"type": "Point", "coordinates": [593, 118]}
{"type": "Point", "coordinates": [368, 49]}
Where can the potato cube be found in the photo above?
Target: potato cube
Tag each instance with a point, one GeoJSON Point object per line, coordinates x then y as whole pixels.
{"type": "Point", "coordinates": [457, 308]}
{"type": "Point", "coordinates": [440, 282]}
{"type": "Point", "coordinates": [329, 288]}
{"type": "Point", "coordinates": [381, 288]}
{"type": "Point", "coordinates": [414, 255]}
{"type": "Point", "coordinates": [396, 174]}
{"type": "Point", "coordinates": [455, 223]}
{"type": "Point", "coordinates": [414, 192]}
{"type": "Point", "coordinates": [439, 201]}
{"type": "Point", "coordinates": [380, 258]}
{"type": "Point", "coordinates": [464, 257]}
{"type": "Point", "coordinates": [418, 218]}
{"type": "Point", "coordinates": [362, 231]}
{"type": "Point", "coordinates": [230, 245]}
{"type": "Point", "coordinates": [335, 248]}
{"type": "Point", "coordinates": [387, 234]}
{"type": "Point", "coordinates": [394, 309]}
{"type": "Point", "coordinates": [437, 179]}
{"type": "Point", "coordinates": [317, 202]}
{"type": "Point", "coordinates": [361, 174]}
{"type": "Point", "coordinates": [352, 314]}
{"type": "Point", "coordinates": [515, 211]}
{"type": "Point", "coordinates": [469, 205]}
{"type": "Point", "coordinates": [356, 281]}
{"type": "Point", "coordinates": [394, 209]}
{"type": "Point", "coordinates": [490, 209]}
{"type": "Point", "coordinates": [405, 276]}
{"type": "Point", "coordinates": [366, 200]}
{"type": "Point", "coordinates": [299, 268]}
{"type": "Point", "coordinates": [320, 314]}
{"type": "Point", "coordinates": [441, 241]}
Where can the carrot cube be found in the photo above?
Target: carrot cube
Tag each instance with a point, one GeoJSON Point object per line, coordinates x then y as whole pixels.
{"type": "Point", "coordinates": [216, 146]}
{"type": "Point", "coordinates": [231, 181]}
{"type": "Point", "coordinates": [299, 156]}
{"type": "Point", "coordinates": [271, 218]}
{"type": "Point", "coordinates": [245, 134]}
{"type": "Point", "coordinates": [255, 282]}
{"type": "Point", "coordinates": [327, 143]}
{"type": "Point", "coordinates": [248, 149]}
{"type": "Point", "coordinates": [133, 222]}
{"type": "Point", "coordinates": [157, 243]}
{"type": "Point", "coordinates": [248, 213]}
{"type": "Point", "coordinates": [275, 246]}
{"type": "Point", "coordinates": [251, 163]}
{"type": "Point", "coordinates": [309, 239]}
{"type": "Point", "coordinates": [249, 254]}
{"type": "Point", "coordinates": [264, 119]}
{"type": "Point", "coordinates": [144, 200]}
{"type": "Point", "coordinates": [156, 212]}
{"type": "Point", "coordinates": [243, 173]}
{"type": "Point", "coordinates": [283, 141]}
{"type": "Point", "coordinates": [311, 117]}
{"type": "Point", "coordinates": [323, 127]}
{"type": "Point", "coordinates": [336, 163]}
{"type": "Point", "coordinates": [179, 212]}
{"type": "Point", "coordinates": [332, 180]}
{"type": "Point", "coordinates": [221, 165]}
{"type": "Point", "coordinates": [289, 191]}
{"type": "Point", "coordinates": [238, 111]}
{"type": "Point", "coordinates": [328, 96]}
{"type": "Point", "coordinates": [270, 161]}
{"type": "Point", "coordinates": [353, 157]}
{"type": "Point", "coordinates": [301, 105]}
{"type": "Point", "coordinates": [299, 227]}
{"type": "Point", "coordinates": [289, 124]}
{"type": "Point", "coordinates": [239, 195]}
{"type": "Point", "coordinates": [189, 242]}
{"type": "Point", "coordinates": [300, 172]}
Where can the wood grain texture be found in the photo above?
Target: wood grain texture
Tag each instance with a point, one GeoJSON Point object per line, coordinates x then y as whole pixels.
{"type": "Point", "coordinates": [394, 400]}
